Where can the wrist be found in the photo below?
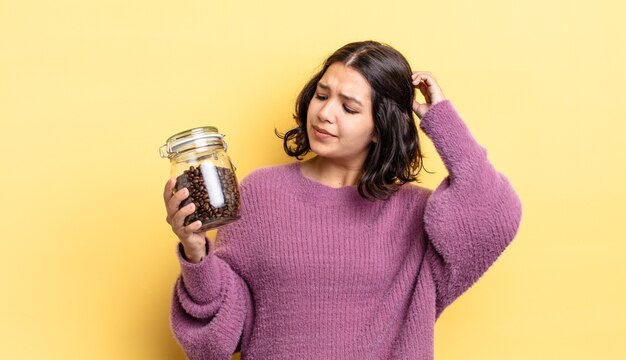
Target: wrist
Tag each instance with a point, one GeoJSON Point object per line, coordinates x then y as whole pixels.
{"type": "Point", "coordinates": [195, 254]}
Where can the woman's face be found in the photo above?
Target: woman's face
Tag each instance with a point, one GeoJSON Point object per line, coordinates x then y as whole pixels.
{"type": "Point", "coordinates": [340, 124]}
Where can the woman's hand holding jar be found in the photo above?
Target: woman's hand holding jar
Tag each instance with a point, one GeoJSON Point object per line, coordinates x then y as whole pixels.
{"type": "Point", "coordinates": [194, 242]}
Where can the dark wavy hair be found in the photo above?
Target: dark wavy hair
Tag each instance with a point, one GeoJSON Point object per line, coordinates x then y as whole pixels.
{"type": "Point", "coordinates": [395, 158]}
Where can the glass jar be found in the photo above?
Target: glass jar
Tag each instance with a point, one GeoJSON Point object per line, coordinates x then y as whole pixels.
{"type": "Point", "coordinates": [199, 162]}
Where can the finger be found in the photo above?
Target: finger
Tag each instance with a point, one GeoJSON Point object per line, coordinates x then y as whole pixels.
{"type": "Point", "coordinates": [428, 86]}
{"type": "Point", "coordinates": [419, 109]}
{"type": "Point", "coordinates": [434, 90]}
{"type": "Point", "coordinates": [427, 93]}
{"type": "Point", "coordinates": [423, 88]}
{"type": "Point", "coordinates": [431, 81]}
{"type": "Point", "coordinates": [416, 106]}
{"type": "Point", "coordinates": [174, 203]}
{"type": "Point", "coordinates": [193, 227]}
{"type": "Point", "coordinates": [417, 77]}
{"type": "Point", "coordinates": [168, 191]}
{"type": "Point", "coordinates": [423, 73]}
{"type": "Point", "coordinates": [418, 73]}
{"type": "Point", "coordinates": [178, 220]}
{"type": "Point", "coordinates": [427, 77]}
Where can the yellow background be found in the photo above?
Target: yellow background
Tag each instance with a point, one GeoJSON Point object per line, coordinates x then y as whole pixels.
{"type": "Point", "coordinates": [89, 90]}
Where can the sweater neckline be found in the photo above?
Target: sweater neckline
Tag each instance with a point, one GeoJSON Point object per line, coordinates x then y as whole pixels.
{"type": "Point", "coordinates": [314, 191]}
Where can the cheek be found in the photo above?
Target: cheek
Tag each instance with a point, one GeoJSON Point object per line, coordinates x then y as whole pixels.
{"type": "Point", "coordinates": [364, 129]}
{"type": "Point", "coordinates": [312, 109]}
{"type": "Point", "coordinates": [357, 135]}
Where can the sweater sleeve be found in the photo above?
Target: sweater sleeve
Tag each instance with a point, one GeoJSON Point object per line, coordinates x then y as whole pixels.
{"type": "Point", "coordinates": [472, 216]}
{"type": "Point", "coordinates": [210, 306]}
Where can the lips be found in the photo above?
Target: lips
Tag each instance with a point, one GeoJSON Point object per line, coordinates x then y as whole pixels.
{"type": "Point", "coordinates": [320, 130]}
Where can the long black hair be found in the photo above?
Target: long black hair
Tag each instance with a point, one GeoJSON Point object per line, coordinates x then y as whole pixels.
{"type": "Point", "coordinates": [395, 158]}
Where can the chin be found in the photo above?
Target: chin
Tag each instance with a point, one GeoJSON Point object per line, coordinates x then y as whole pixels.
{"type": "Point", "coordinates": [314, 145]}
{"type": "Point", "coordinates": [317, 149]}
{"type": "Point", "coordinates": [322, 147]}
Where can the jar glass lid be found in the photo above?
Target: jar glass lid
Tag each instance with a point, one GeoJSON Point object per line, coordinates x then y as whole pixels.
{"type": "Point", "coordinates": [190, 139]}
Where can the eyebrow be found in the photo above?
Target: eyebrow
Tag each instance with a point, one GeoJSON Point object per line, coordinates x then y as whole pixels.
{"type": "Point", "coordinates": [350, 98]}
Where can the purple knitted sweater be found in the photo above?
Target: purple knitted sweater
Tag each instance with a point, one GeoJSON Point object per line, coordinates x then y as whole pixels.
{"type": "Point", "coordinates": [313, 272]}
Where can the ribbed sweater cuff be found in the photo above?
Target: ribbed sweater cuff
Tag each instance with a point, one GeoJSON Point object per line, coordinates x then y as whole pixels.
{"type": "Point", "coordinates": [201, 280]}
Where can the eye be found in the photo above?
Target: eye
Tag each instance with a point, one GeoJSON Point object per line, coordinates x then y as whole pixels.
{"type": "Point", "coordinates": [348, 110]}
{"type": "Point", "coordinates": [320, 97]}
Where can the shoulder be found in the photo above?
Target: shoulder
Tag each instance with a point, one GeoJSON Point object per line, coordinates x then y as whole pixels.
{"type": "Point", "coordinates": [268, 177]}
{"type": "Point", "coordinates": [267, 174]}
{"type": "Point", "coordinates": [414, 190]}
{"type": "Point", "coordinates": [412, 194]}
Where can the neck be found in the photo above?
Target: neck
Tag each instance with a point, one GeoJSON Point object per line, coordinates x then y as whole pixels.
{"type": "Point", "coordinates": [332, 173]}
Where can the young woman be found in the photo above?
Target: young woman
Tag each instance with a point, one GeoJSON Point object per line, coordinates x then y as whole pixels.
{"type": "Point", "coordinates": [338, 257]}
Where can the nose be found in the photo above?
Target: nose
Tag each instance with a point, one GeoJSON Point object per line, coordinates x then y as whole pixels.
{"type": "Point", "coordinates": [326, 112]}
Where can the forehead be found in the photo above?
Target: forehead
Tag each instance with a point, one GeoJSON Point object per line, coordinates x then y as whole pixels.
{"type": "Point", "coordinates": [346, 80]}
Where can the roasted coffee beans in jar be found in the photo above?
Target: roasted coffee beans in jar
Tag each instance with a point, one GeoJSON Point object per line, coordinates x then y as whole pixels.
{"type": "Point", "coordinates": [199, 162]}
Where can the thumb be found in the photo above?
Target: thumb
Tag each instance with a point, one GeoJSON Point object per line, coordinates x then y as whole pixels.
{"type": "Point", "coordinates": [419, 108]}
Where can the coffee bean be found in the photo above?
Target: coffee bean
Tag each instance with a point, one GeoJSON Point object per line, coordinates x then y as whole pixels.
{"type": "Point", "coordinates": [210, 216]}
